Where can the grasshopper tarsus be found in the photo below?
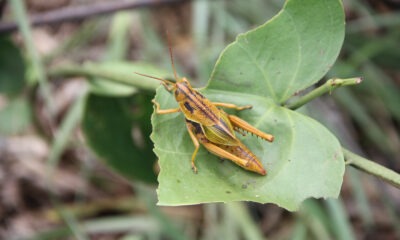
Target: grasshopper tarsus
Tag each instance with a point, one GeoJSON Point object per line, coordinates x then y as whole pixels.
{"type": "Point", "coordinates": [194, 168]}
{"type": "Point", "coordinates": [272, 138]}
{"type": "Point", "coordinates": [246, 107]}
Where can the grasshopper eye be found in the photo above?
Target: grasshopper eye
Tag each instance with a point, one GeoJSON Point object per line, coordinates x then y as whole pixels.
{"type": "Point", "coordinates": [179, 96]}
{"type": "Point", "coordinates": [186, 82]}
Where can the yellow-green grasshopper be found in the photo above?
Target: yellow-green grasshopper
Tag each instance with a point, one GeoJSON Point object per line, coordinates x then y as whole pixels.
{"type": "Point", "coordinates": [211, 126]}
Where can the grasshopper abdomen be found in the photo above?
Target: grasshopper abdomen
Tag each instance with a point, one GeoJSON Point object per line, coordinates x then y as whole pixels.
{"type": "Point", "coordinates": [238, 153]}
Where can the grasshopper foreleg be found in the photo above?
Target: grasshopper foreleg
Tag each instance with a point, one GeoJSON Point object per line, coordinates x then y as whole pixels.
{"type": "Point", "coordinates": [164, 111]}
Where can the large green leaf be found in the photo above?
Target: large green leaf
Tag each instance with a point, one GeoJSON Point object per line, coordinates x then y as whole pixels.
{"type": "Point", "coordinates": [12, 68]}
{"type": "Point", "coordinates": [263, 67]}
{"type": "Point", "coordinates": [115, 123]}
{"type": "Point", "coordinates": [117, 129]}
{"type": "Point", "coordinates": [287, 54]}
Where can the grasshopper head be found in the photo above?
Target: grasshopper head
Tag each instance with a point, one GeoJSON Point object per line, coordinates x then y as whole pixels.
{"type": "Point", "coordinates": [182, 89]}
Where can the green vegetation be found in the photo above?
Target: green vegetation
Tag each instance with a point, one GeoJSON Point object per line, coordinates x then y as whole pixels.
{"type": "Point", "coordinates": [335, 139]}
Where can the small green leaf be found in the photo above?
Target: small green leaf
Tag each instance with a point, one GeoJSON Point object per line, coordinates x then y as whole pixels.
{"type": "Point", "coordinates": [119, 77]}
{"type": "Point", "coordinates": [263, 67]}
{"type": "Point", "coordinates": [101, 86]}
{"type": "Point", "coordinates": [117, 129]}
{"type": "Point", "coordinates": [12, 68]}
{"type": "Point", "coordinates": [111, 78]}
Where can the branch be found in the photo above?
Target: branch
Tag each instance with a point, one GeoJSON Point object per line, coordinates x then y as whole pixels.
{"type": "Point", "coordinates": [82, 12]}
{"type": "Point", "coordinates": [372, 168]}
{"type": "Point", "coordinates": [329, 86]}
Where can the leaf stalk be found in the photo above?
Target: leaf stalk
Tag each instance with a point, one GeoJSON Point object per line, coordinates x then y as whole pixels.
{"type": "Point", "coordinates": [372, 168]}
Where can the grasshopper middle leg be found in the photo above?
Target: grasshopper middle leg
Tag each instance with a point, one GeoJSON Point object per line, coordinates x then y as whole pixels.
{"type": "Point", "coordinates": [231, 105]}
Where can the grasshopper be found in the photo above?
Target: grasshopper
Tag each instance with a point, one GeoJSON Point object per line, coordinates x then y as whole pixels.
{"type": "Point", "coordinates": [211, 126]}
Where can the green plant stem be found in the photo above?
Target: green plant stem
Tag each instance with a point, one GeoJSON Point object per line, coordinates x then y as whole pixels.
{"type": "Point", "coordinates": [372, 168]}
{"type": "Point", "coordinates": [315, 219]}
{"type": "Point", "coordinates": [247, 225]}
{"type": "Point", "coordinates": [363, 205]}
{"type": "Point", "coordinates": [19, 11]}
{"type": "Point", "coordinates": [299, 231]}
{"type": "Point", "coordinates": [63, 134]}
{"type": "Point", "coordinates": [145, 194]}
{"type": "Point", "coordinates": [339, 218]}
{"type": "Point", "coordinates": [88, 70]}
{"type": "Point", "coordinates": [329, 86]}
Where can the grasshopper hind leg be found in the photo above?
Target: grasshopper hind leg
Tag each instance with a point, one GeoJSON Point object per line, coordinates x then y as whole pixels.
{"type": "Point", "coordinates": [239, 123]}
{"type": "Point", "coordinates": [237, 156]}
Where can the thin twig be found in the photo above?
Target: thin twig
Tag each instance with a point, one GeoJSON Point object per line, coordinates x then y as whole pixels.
{"type": "Point", "coordinates": [83, 12]}
{"type": "Point", "coordinates": [329, 86]}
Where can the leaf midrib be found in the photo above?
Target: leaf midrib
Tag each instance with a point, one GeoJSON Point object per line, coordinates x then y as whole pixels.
{"type": "Point", "coordinates": [299, 55]}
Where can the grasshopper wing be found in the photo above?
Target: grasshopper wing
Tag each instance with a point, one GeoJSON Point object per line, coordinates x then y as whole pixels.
{"type": "Point", "coordinates": [222, 132]}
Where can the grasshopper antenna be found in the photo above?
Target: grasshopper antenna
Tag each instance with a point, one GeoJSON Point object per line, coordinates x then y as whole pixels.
{"type": "Point", "coordinates": [171, 56]}
{"type": "Point", "coordinates": [160, 79]}
{"type": "Point", "coordinates": [165, 82]}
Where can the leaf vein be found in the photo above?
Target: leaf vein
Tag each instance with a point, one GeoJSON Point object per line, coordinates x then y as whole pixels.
{"type": "Point", "coordinates": [299, 55]}
{"type": "Point", "coordinates": [269, 86]}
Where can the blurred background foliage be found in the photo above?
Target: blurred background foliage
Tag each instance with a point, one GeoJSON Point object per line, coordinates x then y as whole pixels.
{"type": "Point", "coordinates": [52, 186]}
